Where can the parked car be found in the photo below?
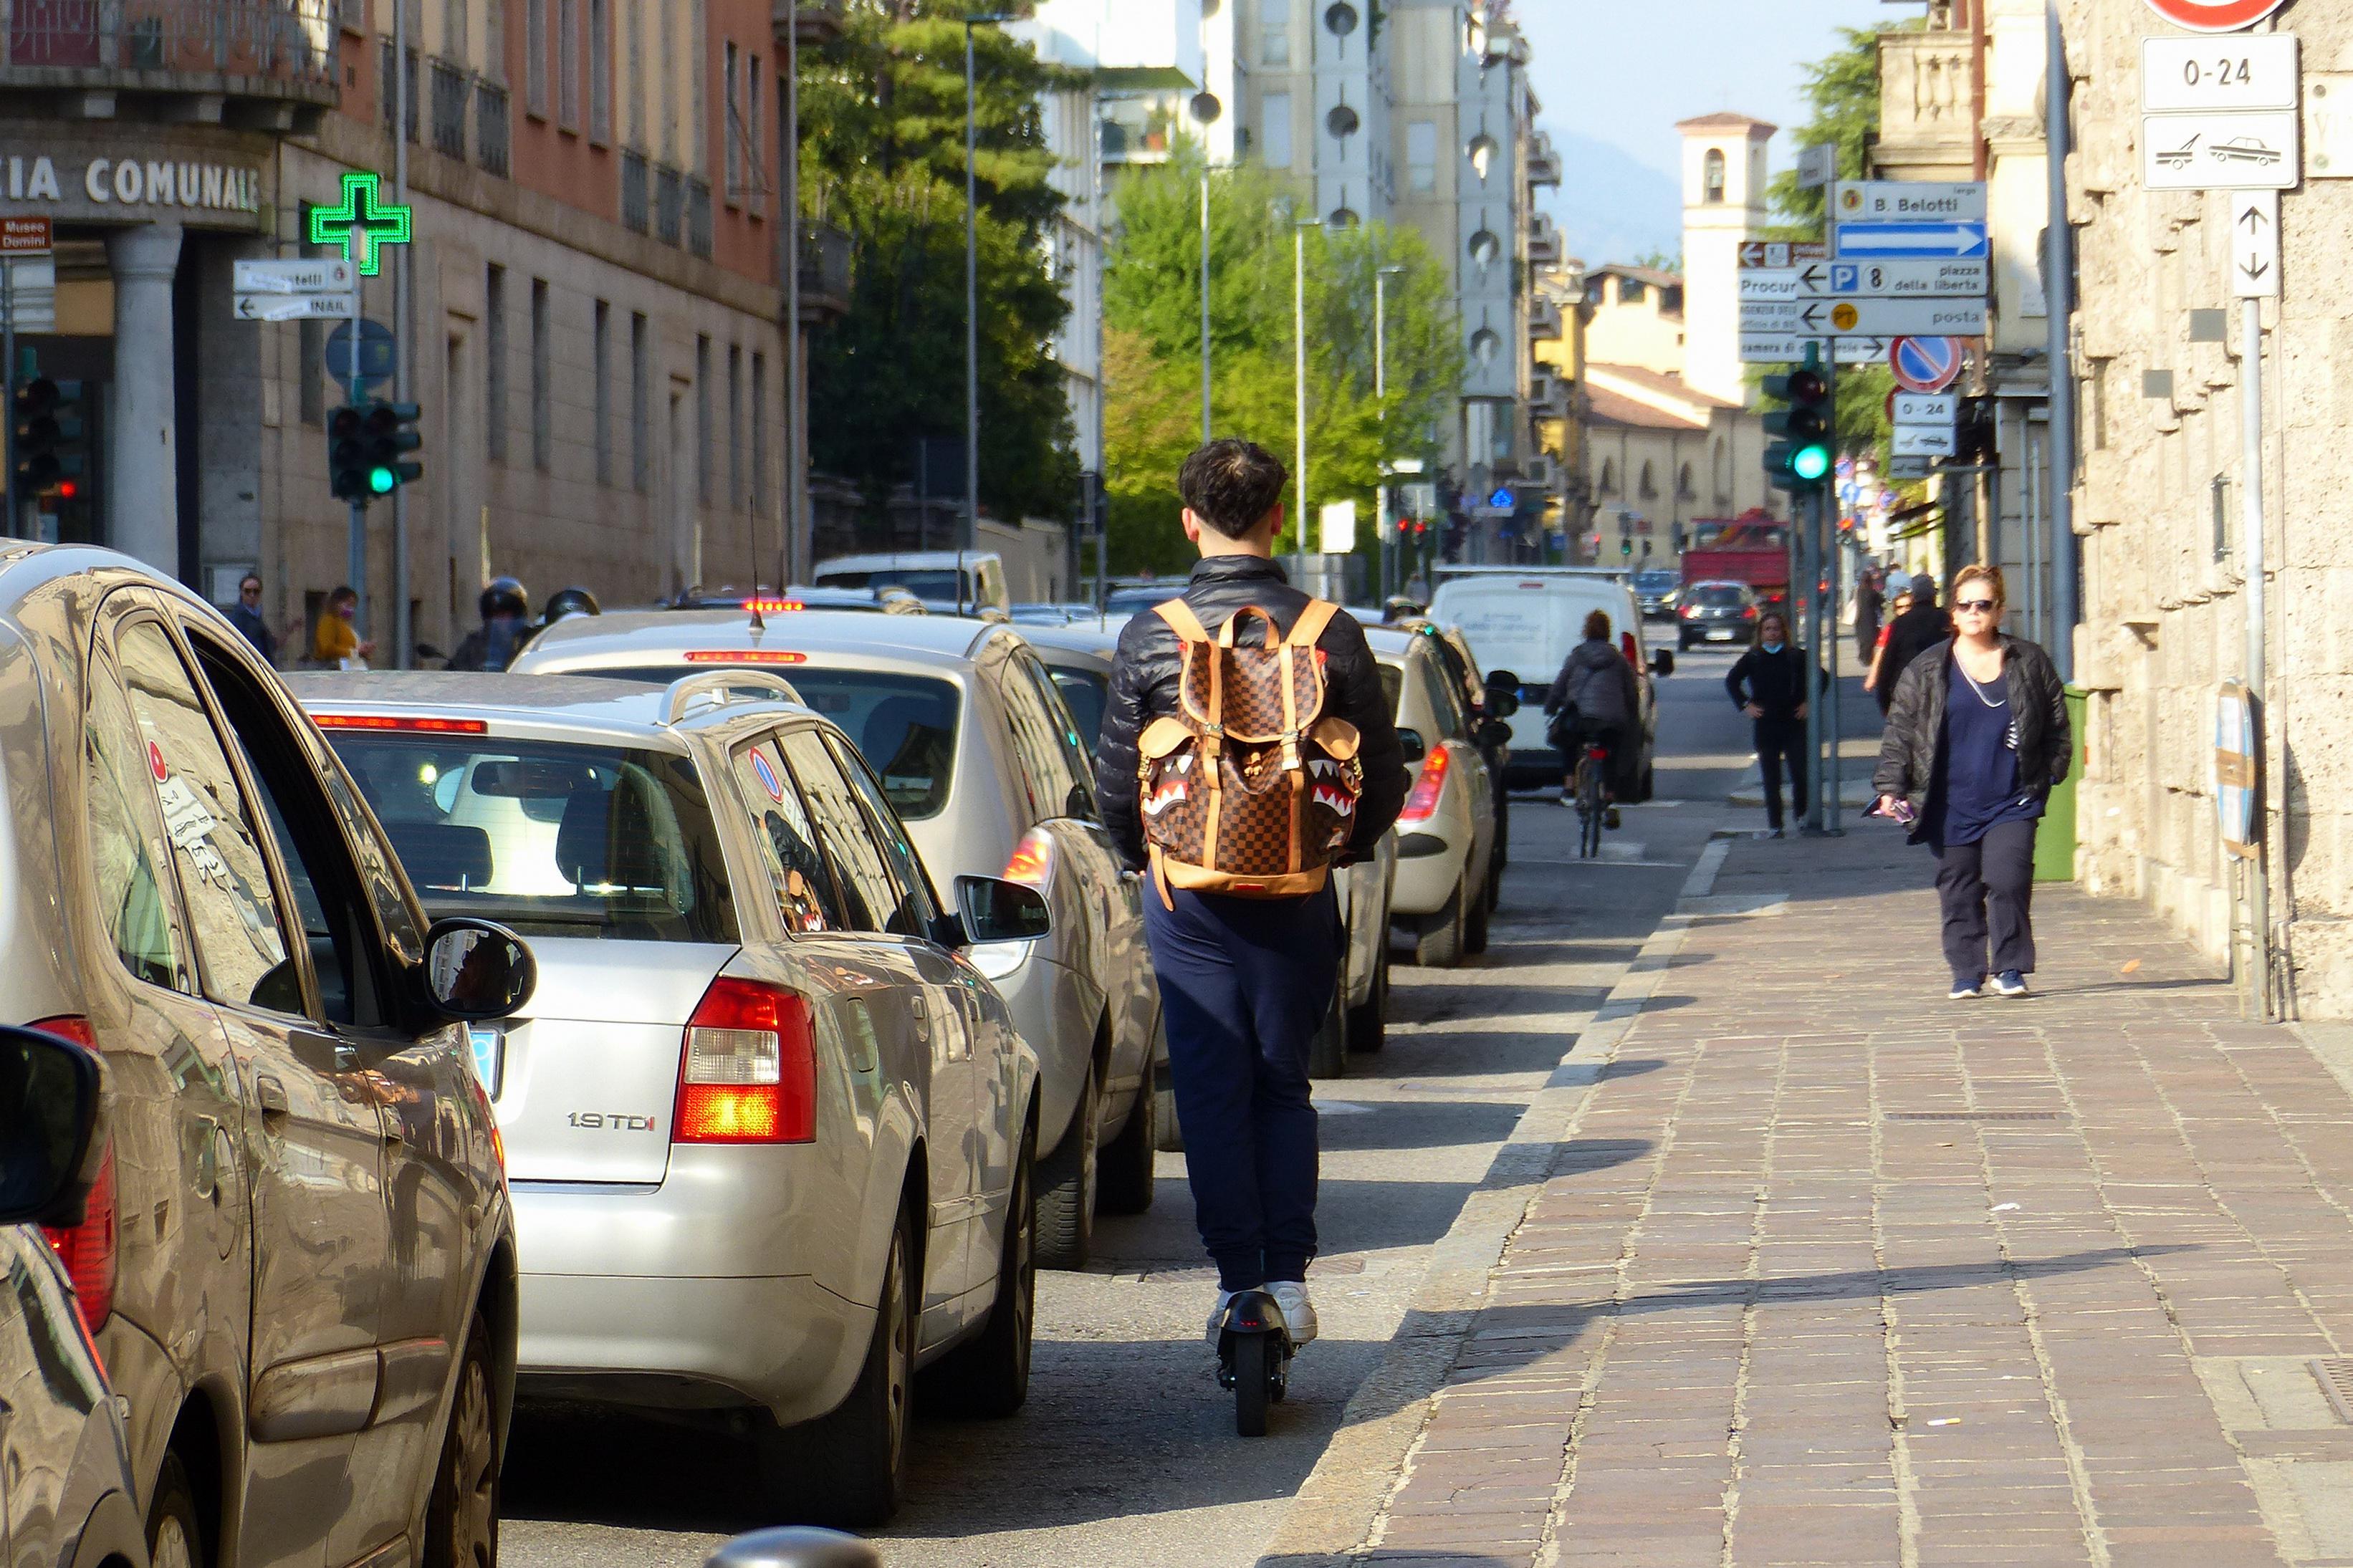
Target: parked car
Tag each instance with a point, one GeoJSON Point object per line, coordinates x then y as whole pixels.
{"type": "Point", "coordinates": [1446, 831]}
{"type": "Point", "coordinates": [770, 1127]}
{"type": "Point", "coordinates": [1716, 613]}
{"type": "Point", "coordinates": [1490, 699]}
{"type": "Point", "coordinates": [981, 758]}
{"type": "Point", "coordinates": [1527, 622]}
{"type": "Point", "coordinates": [298, 1254]}
{"type": "Point", "coordinates": [67, 1497]}
{"type": "Point", "coordinates": [1655, 588]}
{"type": "Point", "coordinates": [948, 581]}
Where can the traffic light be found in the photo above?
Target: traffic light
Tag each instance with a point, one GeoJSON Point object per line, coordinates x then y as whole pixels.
{"type": "Point", "coordinates": [1800, 459]}
{"type": "Point", "coordinates": [1625, 546]}
{"type": "Point", "coordinates": [50, 456]}
{"type": "Point", "coordinates": [347, 455]}
{"type": "Point", "coordinates": [391, 433]}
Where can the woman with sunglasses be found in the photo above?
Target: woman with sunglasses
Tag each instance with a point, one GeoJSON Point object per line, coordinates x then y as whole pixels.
{"type": "Point", "coordinates": [1976, 737]}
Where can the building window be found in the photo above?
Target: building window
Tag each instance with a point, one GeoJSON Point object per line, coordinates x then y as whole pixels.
{"type": "Point", "coordinates": [731, 134]}
{"type": "Point", "coordinates": [1713, 180]}
{"type": "Point", "coordinates": [1609, 476]}
{"type": "Point", "coordinates": [667, 108]}
{"type": "Point", "coordinates": [535, 64]}
{"type": "Point", "coordinates": [1275, 131]}
{"type": "Point", "coordinates": [1649, 490]}
{"type": "Point", "coordinates": [494, 39]}
{"type": "Point", "coordinates": [1274, 41]}
{"type": "Point", "coordinates": [698, 100]}
{"type": "Point", "coordinates": [490, 141]}
{"type": "Point", "coordinates": [567, 64]}
{"type": "Point", "coordinates": [1421, 154]}
{"type": "Point", "coordinates": [634, 52]}
{"type": "Point", "coordinates": [1631, 291]}
{"type": "Point", "coordinates": [602, 347]}
{"type": "Point", "coordinates": [702, 453]}
{"type": "Point", "coordinates": [454, 30]}
{"type": "Point", "coordinates": [641, 399]}
{"type": "Point", "coordinates": [600, 71]}
{"type": "Point", "coordinates": [734, 427]}
{"type": "Point", "coordinates": [755, 177]}
{"type": "Point", "coordinates": [759, 432]}
{"type": "Point", "coordinates": [1684, 488]}
{"type": "Point", "coordinates": [494, 353]}
{"type": "Point", "coordinates": [543, 381]}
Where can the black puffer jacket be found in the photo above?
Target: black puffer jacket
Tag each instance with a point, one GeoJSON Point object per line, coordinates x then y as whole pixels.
{"type": "Point", "coordinates": [1916, 723]}
{"type": "Point", "coordinates": [1144, 687]}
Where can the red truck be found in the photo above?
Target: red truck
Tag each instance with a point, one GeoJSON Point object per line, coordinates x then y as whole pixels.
{"type": "Point", "coordinates": [1752, 548]}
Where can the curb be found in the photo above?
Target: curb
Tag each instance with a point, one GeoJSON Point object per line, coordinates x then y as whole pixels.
{"type": "Point", "coordinates": [1334, 1513]}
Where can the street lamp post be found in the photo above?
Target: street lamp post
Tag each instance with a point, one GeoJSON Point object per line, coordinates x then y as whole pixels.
{"type": "Point", "coordinates": [968, 533]}
{"type": "Point", "coordinates": [1299, 379]}
{"type": "Point", "coordinates": [1381, 276]}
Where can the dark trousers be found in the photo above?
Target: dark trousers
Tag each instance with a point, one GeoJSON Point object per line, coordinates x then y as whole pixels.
{"type": "Point", "coordinates": [1781, 742]}
{"type": "Point", "coordinates": [1991, 877]}
{"type": "Point", "coordinates": [1244, 985]}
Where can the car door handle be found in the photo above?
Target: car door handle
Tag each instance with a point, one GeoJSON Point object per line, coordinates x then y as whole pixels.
{"type": "Point", "coordinates": [272, 1095]}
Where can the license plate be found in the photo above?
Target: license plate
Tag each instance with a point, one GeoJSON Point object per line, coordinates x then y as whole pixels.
{"type": "Point", "coordinates": [489, 1054]}
{"type": "Point", "coordinates": [1719, 634]}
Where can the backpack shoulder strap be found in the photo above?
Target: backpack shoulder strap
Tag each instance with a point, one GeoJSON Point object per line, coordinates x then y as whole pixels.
{"type": "Point", "coordinates": [1182, 620]}
{"type": "Point", "coordinates": [1311, 623]}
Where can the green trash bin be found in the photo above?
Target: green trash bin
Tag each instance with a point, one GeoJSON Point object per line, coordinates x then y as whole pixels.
{"type": "Point", "coordinates": [2054, 842]}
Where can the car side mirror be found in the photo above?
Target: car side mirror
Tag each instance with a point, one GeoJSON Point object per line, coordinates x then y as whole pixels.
{"type": "Point", "coordinates": [49, 1116]}
{"type": "Point", "coordinates": [1663, 662]}
{"type": "Point", "coordinates": [1415, 747]}
{"type": "Point", "coordinates": [795, 1546]}
{"type": "Point", "coordinates": [478, 971]}
{"type": "Point", "coordinates": [997, 911]}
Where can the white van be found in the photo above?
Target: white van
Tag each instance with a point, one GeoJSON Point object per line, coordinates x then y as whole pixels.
{"type": "Point", "coordinates": [929, 574]}
{"type": "Point", "coordinates": [1526, 620]}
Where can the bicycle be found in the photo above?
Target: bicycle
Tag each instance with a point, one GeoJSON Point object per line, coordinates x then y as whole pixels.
{"type": "Point", "coordinates": [1592, 798]}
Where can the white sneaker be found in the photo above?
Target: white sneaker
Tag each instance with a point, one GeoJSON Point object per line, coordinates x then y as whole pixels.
{"type": "Point", "coordinates": [1298, 1311]}
{"type": "Point", "coordinates": [1217, 1312]}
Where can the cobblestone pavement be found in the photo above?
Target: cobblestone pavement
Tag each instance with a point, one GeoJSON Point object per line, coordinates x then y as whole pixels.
{"type": "Point", "coordinates": [1828, 1270]}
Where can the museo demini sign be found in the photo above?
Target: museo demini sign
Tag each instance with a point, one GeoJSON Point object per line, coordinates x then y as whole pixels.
{"type": "Point", "coordinates": [97, 188]}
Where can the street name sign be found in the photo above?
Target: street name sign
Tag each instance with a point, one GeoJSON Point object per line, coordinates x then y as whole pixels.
{"type": "Point", "coordinates": [308, 275]}
{"type": "Point", "coordinates": [1783, 348]}
{"type": "Point", "coordinates": [1901, 239]}
{"type": "Point", "coordinates": [296, 307]}
{"type": "Point", "coordinates": [1781, 252]}
{"type": "Point", "coordinates": [1923, 407]}
{"type": "Point", "coordinates": [2201, 75]}
{"type": "Point", "coordinates": [2255, 245]}
{"type": "Point", "coordinates": [1907, 201]}
{"type": "Point", "coordinates": [1817, 166]}
{"type": "Point", "coordinates": [2214, 15]}
{"type": "Point", "coordinates": [2250, 150]}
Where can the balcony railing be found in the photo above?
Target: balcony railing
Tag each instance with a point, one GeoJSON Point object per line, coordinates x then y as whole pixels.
{"type": "Point", "coordinates": [819, 21]}
{"type": "Point", "coordinates": [634, 213]}
{"type": "Point", "coordinates": [824, 272]}
{"type": "Point", "coordinates": [698, 217]}
{"type": "Point", "coordinates": [451, 88]}
{"type": "Point", "coordinates": [670, 204]}
{"type": "Point", "coordinates": [1544, 245]}
{"type": "Point", "coordinates": [290, 41]}
{"type": "Point", "coordinates": [1544, 163]}
{"type": "Point", "coordinates": [1544, 322]}
{"type": "Point", "coordinates": [491, 127]}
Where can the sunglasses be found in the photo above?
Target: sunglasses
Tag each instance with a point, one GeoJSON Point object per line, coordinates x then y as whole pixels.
{"type": "Point", "coordinates": [1975, 606]}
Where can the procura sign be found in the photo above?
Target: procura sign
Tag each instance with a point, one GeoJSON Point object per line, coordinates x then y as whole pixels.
{"type": "Point", "coordinates": [2214, 15]}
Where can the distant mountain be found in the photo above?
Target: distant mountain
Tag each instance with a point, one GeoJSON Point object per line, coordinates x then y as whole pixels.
{"type": "Point", "coordinates": [1611, 208]}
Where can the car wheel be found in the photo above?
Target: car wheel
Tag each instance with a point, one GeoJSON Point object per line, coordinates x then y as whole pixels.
{"type": "Point", "coordinates": [1474, 922]}
{"type": "Point", "coordinates": [1439, 945]}
{"type": "Point", "coordinates": [1328, 1053]}
{"type": "Point", "coordinates": [849, 1469]}
{"type": "Point", "coordinates": [989, 1375]}
{"type": "Point", "coordinates": [174, 1539]}
{"type": "Point", "coordinates": [461, 1524]}
{"type": "Point", "coordinates": [1066, 1187]}
{"type": "Point", "coordinates": [1369, 1024]}
{"type": "Point", "coordinates": [1123, 1181]}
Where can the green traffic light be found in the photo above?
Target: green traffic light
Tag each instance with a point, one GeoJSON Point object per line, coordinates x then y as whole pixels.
{"type": "Point", "coordinates": [382, 479]}
{"type": "Point", "coordinates": [1811, 462]}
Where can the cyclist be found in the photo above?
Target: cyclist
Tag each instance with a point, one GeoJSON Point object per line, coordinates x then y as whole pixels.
{"type": "Point", "coordinates": [1593, 702]}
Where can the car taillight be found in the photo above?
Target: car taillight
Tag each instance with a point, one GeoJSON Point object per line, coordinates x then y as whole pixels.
{"type": "Point", "coordinates": [1422, 804]}
{"type": "Point", "coordinates": [745, 656]}
{"type": "Point", "coordinates": [748, 1074]}
{"type": "Point", "coordinates": [87, 1249]}
{"type": "Point", "coordinates": [1749, 614]}
{"type": "Point", "coordinates": [1691, 612]}
{"type": "Point", "coordinates": [409, 726]}
{"type": "Point", "coordinates": [1031, 864]}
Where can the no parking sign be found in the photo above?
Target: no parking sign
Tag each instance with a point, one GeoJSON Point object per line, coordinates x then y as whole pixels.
{"type": "Point", "coordinates": [1925, 364]}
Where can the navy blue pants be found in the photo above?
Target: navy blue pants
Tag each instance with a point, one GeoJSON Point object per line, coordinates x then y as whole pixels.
{"type": "Point", "coordinates": [1244, 985]}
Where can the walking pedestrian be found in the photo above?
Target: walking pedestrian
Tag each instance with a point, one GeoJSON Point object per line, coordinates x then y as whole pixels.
{"type": "Point", "coordinates": [1873, 676]}
{"type": "Point", "coordinates": [336, 643]}
{"type": "Point", "coordinates": [1245, 982]}
{"type": "Point", "coordinates": [1593, 700]}
{"type": "Point", "coordinates": [1917, 629]}
{"type": "Point", "coordinates": [1978, 736]}
{"type": "Point", "coordinates": [1868, 599]}
{"type": "Point", "coordinates": [247, 617]}
{"type": "Point", "coordinates": [1770, 684]}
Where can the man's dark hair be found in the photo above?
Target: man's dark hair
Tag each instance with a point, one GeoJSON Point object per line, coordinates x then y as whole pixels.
{"type": "Point", "coordinates": [1231, 484]}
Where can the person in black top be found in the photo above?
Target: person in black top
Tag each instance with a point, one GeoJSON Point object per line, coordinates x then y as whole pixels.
{"type": "Point", "coordinates": [1770, 685]}
{"type": "Point", "coordinates": [1245, 982]}
{"type": "Point", "coordinates": [247, 617]}
{"type": "Point", "coordinates": [1910, 635]}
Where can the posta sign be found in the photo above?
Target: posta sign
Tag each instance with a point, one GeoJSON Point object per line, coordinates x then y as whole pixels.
{"type": "Point", "coordinates": [2214, 15]}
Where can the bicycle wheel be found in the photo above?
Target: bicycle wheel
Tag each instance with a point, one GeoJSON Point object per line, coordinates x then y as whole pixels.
{"type": "Point", "coordinates": [1590, 808]}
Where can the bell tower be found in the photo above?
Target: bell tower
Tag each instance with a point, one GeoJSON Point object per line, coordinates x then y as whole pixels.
{"type": "Point", "coordinates": [1724, 206]}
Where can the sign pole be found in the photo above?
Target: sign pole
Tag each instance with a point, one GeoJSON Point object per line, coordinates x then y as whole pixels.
{"type": "Point", "coordinates": [2251, 491]}
{"type": "Point", "coordinates": [356, 557]}
{"type": "Point", "coordinates": [1829, 782]}
{"type": "Point", "coordinates": [8, 381]}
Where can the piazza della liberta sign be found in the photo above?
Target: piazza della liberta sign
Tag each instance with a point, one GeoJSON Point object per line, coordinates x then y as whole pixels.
{"type": "Point", "coordinates": [100, 189]}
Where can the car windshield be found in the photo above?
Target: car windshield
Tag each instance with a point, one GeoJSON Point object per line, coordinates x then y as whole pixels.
{"type": "Point", "coordinates": [1654, 582]}
{"type": "Point", "coordinates": [552, 837]}
{"type": "Point", "coordinates": [1085, 692]}
{"type": "Point", "coordinates": [905, 724]}
{"type": "Point", "coordinates": [1720, 596]}
{"type": "Point", "coordinates": [938, 582]}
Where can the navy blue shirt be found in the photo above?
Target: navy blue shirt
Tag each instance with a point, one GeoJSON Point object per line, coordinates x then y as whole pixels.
{"type": "Point", "coordinates": [1980, 767]}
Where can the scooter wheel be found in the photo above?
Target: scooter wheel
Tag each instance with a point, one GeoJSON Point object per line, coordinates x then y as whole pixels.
{"type": "Point", "coordinates": [1250, 1353]}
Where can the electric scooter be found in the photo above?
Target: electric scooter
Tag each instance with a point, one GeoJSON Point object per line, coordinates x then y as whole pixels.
{"type": "Point", "coordinates": [1254, 1353]}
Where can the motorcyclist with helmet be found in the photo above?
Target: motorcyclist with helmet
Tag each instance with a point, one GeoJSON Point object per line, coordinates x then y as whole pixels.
{"type": "Point", "coordinates": [506, 628]}
{"type": "Point", "coordinates": [566, 602]}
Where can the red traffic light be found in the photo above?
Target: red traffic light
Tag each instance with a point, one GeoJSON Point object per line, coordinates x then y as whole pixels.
{"type": "Point", "coordinates": [68, 490]}
{"type": "Point", "coordinates": [1805, 386]}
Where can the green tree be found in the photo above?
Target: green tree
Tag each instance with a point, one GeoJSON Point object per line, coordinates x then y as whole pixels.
{"type": "Point", "coordinates": [1152, 306]}
{"type": "Point", "coordinates": [883, 155]}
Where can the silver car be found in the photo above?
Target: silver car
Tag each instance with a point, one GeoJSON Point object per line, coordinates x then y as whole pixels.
{"type": "Point", "coordinates": [1446, 831]}
{"type": "Point", "coordinates": [978, 752]}
{"type": "Point", "coordinates": [769, 1126]}
{"type": "Point", "coordinates": [299, 1251]}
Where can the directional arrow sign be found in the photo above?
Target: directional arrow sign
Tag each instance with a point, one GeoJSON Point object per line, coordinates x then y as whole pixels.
{"type": "Point", "coordinates": [1869, 239]}
{"type": "Point", "coordinates": [2250, 151]}
{"type": "Point", "coordinates": [319, 275]}
{"type": "Point", "coordinates": [1907, 280]}
{"type": "Point", "coordinates": [1785, 347]}
{"type": "Point", "coordinates": [1866, 317]}
{"type": "Point", "coordinates": [293, 307]}
{"type": "Point", "coordinates": [1781, 252]}
{"type": "Point", "coordinates": [2255, 245]}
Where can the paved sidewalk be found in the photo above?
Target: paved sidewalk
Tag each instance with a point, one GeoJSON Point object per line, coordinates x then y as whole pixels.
{"type": "Point", "coordinates": [1831, 1270]}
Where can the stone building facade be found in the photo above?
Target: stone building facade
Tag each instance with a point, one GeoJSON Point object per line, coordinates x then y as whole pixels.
{"type": "Point", "coordinates": [2158, 513]}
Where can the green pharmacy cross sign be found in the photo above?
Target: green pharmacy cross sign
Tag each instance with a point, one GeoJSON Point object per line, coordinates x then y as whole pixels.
{"type": "Point", "coordinates": [360, 224]}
